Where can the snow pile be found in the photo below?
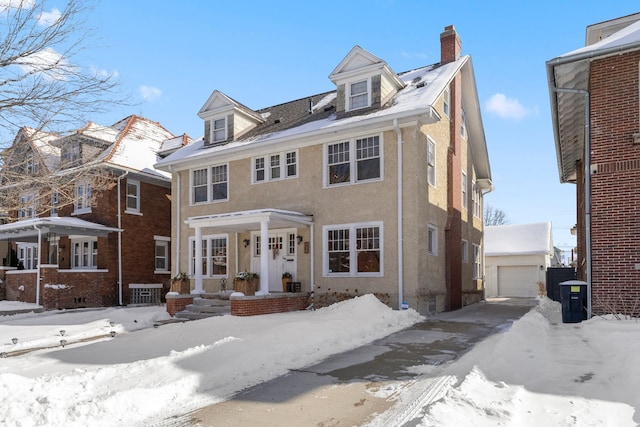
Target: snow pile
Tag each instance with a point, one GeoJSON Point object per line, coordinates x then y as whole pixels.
{"type": "Point", "coordinates": [140, 378]}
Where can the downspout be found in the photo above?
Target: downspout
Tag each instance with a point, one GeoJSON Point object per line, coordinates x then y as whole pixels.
{"type": "Point", "coordinates": [400, 213]}
{"type": "Point", "coordinates": [587, 184]}
{"type": "Point", "coordinates": [39, 262]}
{"type": "Point", "coordinates": [120, 241]}
{"type": "Point", "coordinates": [178, 224]}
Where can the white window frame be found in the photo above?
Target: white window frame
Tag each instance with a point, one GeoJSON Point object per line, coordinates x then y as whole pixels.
{"type": "Point", "coordinates": [84, 260]}
{"type": "Point", "coordinates": [82, 202]}
{"type": "Point", "coordinates": [463, 124]}
{"type": "Point", "coordinates": [477, 262]}
{"type": "Point", "coordinates": [446, 102]}
{"type": "Point", "coordinates": [351, 97]}
{"type": "Point", "coordinates": [266, 169]}
{"type": "Point", "coordinates": [353, 160]}
{"type": "Point", "coordinates": [28, 255]}
{"type": "Point", "coordinates": [207, 255]}
{"type": "Point", "coordinates": [465, 188]}
{"type": "Point", "coordinates": [162, 241]}
{"type": "Point", "coordinates": [465, 251]}
{"type": "Point", "coordinates": [218, 134]}
{"type": "Point", "coordinates": [477, 200]}
{"type": "Point", "coordinates": [135, 184]}
{"type": "Point", "coordinates": [28, 206]}
{"type": "Point", "coordinates": [352, 249]}
{"type": "Point", "coordinates": [55, 199]}
{"type": "Point", "coordinates": [432, 171]}
{"type": "Point", "coordinates": [432, 239]}
{"type": "Point", "coordinates": [209, 184]}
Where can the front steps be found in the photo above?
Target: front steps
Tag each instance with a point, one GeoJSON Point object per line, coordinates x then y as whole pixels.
{"type": "Point", "coordinates": [207, 305]}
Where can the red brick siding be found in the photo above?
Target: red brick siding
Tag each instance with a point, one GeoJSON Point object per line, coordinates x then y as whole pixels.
{"type": "Point", "coordinates": [176, 303]}
{"type": "Point", "coordinates": [615, 198]}
{"type": "Point", "coordinates": [269, 304]}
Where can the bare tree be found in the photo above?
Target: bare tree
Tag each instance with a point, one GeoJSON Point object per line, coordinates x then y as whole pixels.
{"type": "Point", "coordinates": [493, 216]}
{"type": "Point", "coordinates": [44, 93]}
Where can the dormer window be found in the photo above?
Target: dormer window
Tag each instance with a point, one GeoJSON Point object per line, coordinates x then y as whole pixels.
{"type": "Point", "coordinates": [358, 95]}
{"type": "Point", "coordinates": [219, 130]}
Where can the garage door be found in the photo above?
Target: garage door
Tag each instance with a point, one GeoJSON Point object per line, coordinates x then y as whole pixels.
{"type": "Point", "coordinates": [518, 281]}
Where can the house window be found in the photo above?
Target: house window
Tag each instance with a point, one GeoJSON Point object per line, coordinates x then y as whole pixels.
{"type": "Point", "coordinates": [27, 255]}
{"type": "Point", "coordinates": [219, 130]}
{"type": "Point", "coordinates": [358, 95]}
{"type": "Point", "coordinates": [162, 254]}
{"type": "Point", "coordinates": [204, 189]}
{"type": "Point", "coordinates": [133, 196]}
{"type": "Point", "coordinates": [446, 97]}
{"type": "Point", "coordinates": [214, 256]}
{"type": "Point", "coordinates": [28, 206]}
{"type": "Point", "coordinates": [465, 203]}
{"type": "Point", "coordinates": [366, 161]}
{"type": "Point", "coordinates": [353, 250]}
{"type": "Point", "coordinates": [82, 202]}
{"type": "Point", "coordinates": [84, 253]}
{"type": "Point", "coordinates": [55, 199]}
{"type": "Point", "coordinates": [431, 162]}
{"type": "Point", "coordinates": [463, 124]}
{"type": "Point", "coordinates": [477, 262]}
{"type": "Point", "coordinates": [71, 154]}
{"type": "Point", "coordinates": [432, 239]}
{"type": "Point", "coordinates": [31, 167]}
{"type": "Point", "coordinates": [476, 200]}
{"type": "Point", "coordinates": [54, 246]}
{"type": "Point", "coordinates": [281, 166]}
{"type": "Point", "coordinates": [465, 251]}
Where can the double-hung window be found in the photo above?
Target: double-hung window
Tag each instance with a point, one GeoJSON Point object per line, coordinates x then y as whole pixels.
{"type": "Point", "coordinates": [431, 162]}
{"type": "Point", "coordinates": [161, 254]}
{"type": "Point", "coordinates": [276, 166]}
{"type": "Point", "coordinates": [446, 99]}
{"type": "Point", "coordinates": [28, 206]}
{"type": "Point", "coordinates": [477, 262]}
{"type": "Point", "coordinates": [209, 184]}
{"type": "Point", "coordinates": [353, 250]}
{"type": "Point", "coordinates": [218, 130]}
{"type": "Point", "coordinates": [214, 256]}
{"type": "Point", "coordinates": [83, 197]}
{"type": "Point", "coordinates": [358, 95]}
{"type": "Point", "coordinates": [432, 239]}
{"type": "Point", "coordinates": [465, 251]}
{"type": "Point", "coordinates": [84, 253]}
{"type": "Point", "coordinates": [133, 196]}
{"type": "Point", "coordinates": [354, 161]}
{"type": "Point", "coordinates": [477, 202]}
{"type": "Point", "coordinates": [465, 202]}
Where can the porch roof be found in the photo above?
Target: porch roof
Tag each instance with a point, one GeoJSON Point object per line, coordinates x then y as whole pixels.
{"type": "Point", "coordinates": [250, 220]}
{"type": "Point", "coordinates": [28, 229]}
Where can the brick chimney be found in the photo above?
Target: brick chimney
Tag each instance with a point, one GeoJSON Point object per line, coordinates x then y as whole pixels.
{"type": "Point", "coordinates": [450, 45]}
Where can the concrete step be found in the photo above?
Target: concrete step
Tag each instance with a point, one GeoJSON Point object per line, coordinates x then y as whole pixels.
{"type": "Point", "coordinates": [208, 308]}
{"type": "Point", "coordinates": [204, 302]}
{"type": "Point", "coordinates": [217, 295]}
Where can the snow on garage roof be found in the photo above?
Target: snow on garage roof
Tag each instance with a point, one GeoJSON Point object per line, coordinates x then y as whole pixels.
{"type": "Point", "coordinates": [518, 239]}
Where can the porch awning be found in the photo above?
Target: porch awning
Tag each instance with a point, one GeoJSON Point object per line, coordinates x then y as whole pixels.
{"type": "Point", "coordinates": [250, 220]}
{"type": "Point", "coordinates": [28, 229]}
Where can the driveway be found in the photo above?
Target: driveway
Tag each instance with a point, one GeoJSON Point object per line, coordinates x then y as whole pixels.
{"type": "Point", "coordinates": [351, 388]}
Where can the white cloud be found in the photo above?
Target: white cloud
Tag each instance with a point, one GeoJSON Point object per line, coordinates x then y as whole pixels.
{"type": "Point", "coordinates": [103, 74]}
{"type": "Point", "coordinates": [149, 93]}
{"type": "Point", "coordinates": [16, 4]}
{"type": "Point", "coordinates": [47, 19]}
{"type": "Point", "coordinates": [47, 61]}
{"type": "Point", "coordinates": [506, 108]}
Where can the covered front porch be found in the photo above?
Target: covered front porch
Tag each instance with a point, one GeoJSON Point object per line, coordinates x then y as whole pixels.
{"type": "Point", "coordinates": [266, 242]}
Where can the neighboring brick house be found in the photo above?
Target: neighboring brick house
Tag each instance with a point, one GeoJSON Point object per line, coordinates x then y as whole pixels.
{"type": "Point", "coordinates": [375, 187]}
{"type": "Point", "coordinates": [596, 121]}
{"type": "Point", "coordinates": [112, 244]}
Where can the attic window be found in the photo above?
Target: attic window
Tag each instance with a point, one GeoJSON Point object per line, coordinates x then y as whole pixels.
{"type": "Point", "coordinates": [219, 130]}
{"type": "Point", "coordinates": [358, 95]}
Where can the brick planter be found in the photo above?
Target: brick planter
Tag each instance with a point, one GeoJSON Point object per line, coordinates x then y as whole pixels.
{"type": "Point", "coordinates": [268, 304]}
{"type": "Point", "coordinates": [177, 302]}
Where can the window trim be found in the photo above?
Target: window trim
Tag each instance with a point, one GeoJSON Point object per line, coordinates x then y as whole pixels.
{"type": "Point", "coordinates": [213, 130]}
{"type": "Point", "coordinates": [431, 144]}
{"type": "Point", "coordinates": [353, 251]}
{"type": "Point", "coordinates": [83, 206]}
{"type": "Point", "coordinates": [477, 262]}
{"type": "Point", "coordinates": [135, 183]}
{"type": "Point", "coordinates": [446, 102]}
{"type": "Point", "coordinates": [353, 161]}
{"type": "Point", "coordinates": [208, 255]}
{"type": "Point", "coordinates": [91, 264]}
{"type": "Point", "coordinates": [209, 185]}
{"type": "Point", "coordinates": [432, 242]}
{"type": "Point", "coordinates": [465, 191]}
{"type": "Point", "coordinates": [267, 169]}
{"type": "Point", "coordinates": [349, 96]}
{"type": "Point", "coordinates": [465, 251]}
{"type": "Point", "coordinates": [162, 241]}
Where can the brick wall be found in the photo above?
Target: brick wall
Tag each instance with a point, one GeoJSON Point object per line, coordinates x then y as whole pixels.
{"type": "Point", "coordinates": [615, 229]}
{"type": "Point", "coordinates": [268, 304]}
{"type": "Point", "coordinates": [176, 303]}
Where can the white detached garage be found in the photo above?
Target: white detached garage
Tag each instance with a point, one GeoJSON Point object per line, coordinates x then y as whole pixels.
{"type": "Point", "coordinates": [516, 258]}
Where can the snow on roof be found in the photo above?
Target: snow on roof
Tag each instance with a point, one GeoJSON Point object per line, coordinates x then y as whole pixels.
{"type": "Point", "coordinates": [518, 239]}
{"type": "Point", "coordinates": [41, 141]}
{"type": "Point", "coordinates": [423, 86]}
{"type": "Point", "coordinates": [620, 39]}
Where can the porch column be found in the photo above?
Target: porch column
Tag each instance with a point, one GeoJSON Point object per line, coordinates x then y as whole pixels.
{"type": "Point", "coordinates": [264, 257]}
{"type": "Point", "coordinates": [198, 267]}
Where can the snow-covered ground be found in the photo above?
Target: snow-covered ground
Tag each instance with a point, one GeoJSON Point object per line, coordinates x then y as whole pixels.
{"type": "Point", "coordinates": [539, 372]}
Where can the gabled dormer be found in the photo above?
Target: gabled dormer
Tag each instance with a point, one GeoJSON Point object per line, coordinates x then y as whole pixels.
{"type": "Point", "coordinates": [363, 81]}
{"type": "Point", "coordinates": [226, 119]}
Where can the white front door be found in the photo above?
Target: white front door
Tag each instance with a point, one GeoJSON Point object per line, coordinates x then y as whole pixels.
{"type": "Point", "coordinates": [282, 257]}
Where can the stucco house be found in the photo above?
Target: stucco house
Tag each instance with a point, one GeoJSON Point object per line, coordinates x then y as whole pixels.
{"type": "Point", "coordinates": [373, 187]}
{"type": "Point", "coordinates": [111, 245]}
{"type": "Point", "coordinates": [516, 259]}
{"type": "Point", "coordinates": [596, 121]}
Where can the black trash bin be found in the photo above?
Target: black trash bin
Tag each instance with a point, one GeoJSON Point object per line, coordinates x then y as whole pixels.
{"type": "Point", "coordinates": [573, 297]}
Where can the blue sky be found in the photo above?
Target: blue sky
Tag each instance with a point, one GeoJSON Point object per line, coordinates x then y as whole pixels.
{"type": "Point", "coordinates": [170, 56]}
